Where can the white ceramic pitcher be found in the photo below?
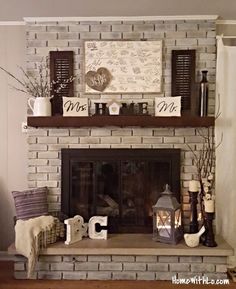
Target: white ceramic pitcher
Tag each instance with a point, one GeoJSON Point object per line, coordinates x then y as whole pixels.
{"type": "Point", "coordinates": [40, 106]}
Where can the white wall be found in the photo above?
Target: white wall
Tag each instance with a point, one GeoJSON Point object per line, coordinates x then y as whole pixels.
{"type": "Point", "coordinates": [226, 152]}
{"type": "Point", "coordinates": [13, 147]}
{"type": "Point", "coordinates": [17, 9]}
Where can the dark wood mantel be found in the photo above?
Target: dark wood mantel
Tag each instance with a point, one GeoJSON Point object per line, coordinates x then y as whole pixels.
{"type": "Point", "coordinates": [121, 121]}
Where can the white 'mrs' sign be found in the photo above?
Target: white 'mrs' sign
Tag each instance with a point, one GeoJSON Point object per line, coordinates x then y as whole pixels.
{"type": "Point", "coordinates": [75, 106]}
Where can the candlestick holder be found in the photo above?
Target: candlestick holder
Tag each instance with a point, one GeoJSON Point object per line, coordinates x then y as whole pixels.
{"type": "Point", "coordinates": [193, 228]}
{"type": "Point", "coordinates": [209, 234]}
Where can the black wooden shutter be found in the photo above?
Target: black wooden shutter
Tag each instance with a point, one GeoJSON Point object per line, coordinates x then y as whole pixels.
{"type": "Point", "coordinates": [183, 78]}
{"type": "Point", "coordinates": [61, 68]}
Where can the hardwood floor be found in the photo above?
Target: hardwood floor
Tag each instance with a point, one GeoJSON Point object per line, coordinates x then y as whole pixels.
{"type": "Point", "coordinates": [8, 282]}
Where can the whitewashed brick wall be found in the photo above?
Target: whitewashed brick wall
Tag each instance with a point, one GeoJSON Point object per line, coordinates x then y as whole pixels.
{"type": "Point", "coordinates": [124, 267]}
{"type": "Point", "coordinates": [45, 144]}
{"type": "Point", "coordinates": [43, 37]}
{"type": "Point", "coordinates": [45, 152]}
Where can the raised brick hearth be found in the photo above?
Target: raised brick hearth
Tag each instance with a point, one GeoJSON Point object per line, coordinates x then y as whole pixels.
{"type": "Point", "coordinates": [127, 257]}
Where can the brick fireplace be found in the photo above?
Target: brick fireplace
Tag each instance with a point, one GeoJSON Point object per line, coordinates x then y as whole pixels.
{"type": "Point", "coordinates": [117, 258]}
{"type": "Point", "coordinates": [45, 144]}
{"type": "Point", "coordinates": [45, 153]}
{"type": "Point", "coordinates": [133, 256]}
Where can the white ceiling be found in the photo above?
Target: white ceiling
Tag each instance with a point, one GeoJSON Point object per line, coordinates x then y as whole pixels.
{"type": "Point", "coordinates": [15, 10]}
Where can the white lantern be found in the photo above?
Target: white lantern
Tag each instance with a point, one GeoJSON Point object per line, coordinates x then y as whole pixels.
{"type": "Point", "coordinates": [167, 227]}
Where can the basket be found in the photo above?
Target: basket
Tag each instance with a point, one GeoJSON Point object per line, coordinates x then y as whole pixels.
{"type": "Point", "coordinates": [51, 236]}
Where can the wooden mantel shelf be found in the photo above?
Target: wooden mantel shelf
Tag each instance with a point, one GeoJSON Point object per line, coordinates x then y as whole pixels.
{"type": "Point", "coordinates": [121, 121]}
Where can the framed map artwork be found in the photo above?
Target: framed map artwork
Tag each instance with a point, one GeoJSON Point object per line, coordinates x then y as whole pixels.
{"type": "Point", "coordinates": [123, 66]}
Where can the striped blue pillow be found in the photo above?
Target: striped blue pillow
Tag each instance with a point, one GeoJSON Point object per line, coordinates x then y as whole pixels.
{"type": "Point", "coordinates": [31, 203]}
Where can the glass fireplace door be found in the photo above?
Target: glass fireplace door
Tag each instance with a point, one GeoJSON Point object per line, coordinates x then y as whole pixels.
{"type": "Point", "coordinates": [125, 191]}
{"type": "Point", "coordinates": [82, 188]}
{"type": "Point", "coordinates": [95, 190]}
{"type": "Point", "coordinates": [133, 194]}
{"type": "Point", "coordinates": [107, 188]}
{"type": "Point", "coordinates": [122, 184]}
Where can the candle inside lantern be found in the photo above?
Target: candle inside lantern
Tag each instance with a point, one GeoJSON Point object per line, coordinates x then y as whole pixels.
{"type": "Point", "coordinates": [199, 216]}
{"type": "Point", "coordinates": [209, 206]}
{"type": "Point", "coordinates": [193, 186]}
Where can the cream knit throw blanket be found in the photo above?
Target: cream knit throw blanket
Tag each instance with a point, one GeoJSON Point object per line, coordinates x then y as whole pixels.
{"type": "Point", "coordinates": [28, 235]}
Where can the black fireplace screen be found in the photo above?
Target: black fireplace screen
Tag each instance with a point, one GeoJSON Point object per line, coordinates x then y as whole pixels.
{"type": "Point", "coordinates": [122, 184]}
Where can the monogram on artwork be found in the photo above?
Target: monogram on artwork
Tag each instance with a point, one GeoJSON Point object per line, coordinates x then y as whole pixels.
{"type": "Point", "coordinates": [98, 80]}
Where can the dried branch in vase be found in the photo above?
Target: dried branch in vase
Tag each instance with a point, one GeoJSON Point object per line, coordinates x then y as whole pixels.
{"type": "Point", "coordinates": [204, 160]}
{"type": "Point", "coordinates": [38, 86]}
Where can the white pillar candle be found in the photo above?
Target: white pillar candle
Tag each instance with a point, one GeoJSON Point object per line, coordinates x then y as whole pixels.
{"type": "Point", "coordinates": [193, 186]}
{"type": "Point", "coordinates": [209, 206]}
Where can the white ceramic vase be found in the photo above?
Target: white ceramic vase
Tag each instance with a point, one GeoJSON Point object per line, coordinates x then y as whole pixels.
{"type": "Point", "coordinates": [40, 106]}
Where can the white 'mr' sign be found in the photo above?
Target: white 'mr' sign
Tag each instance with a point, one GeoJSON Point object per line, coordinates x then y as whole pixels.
{"type": "Point", "coordinates": [168, 106]}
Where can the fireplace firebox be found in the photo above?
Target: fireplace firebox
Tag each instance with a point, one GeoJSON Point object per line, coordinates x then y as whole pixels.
{"type": "Point", "coordinates": [122, 184]}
